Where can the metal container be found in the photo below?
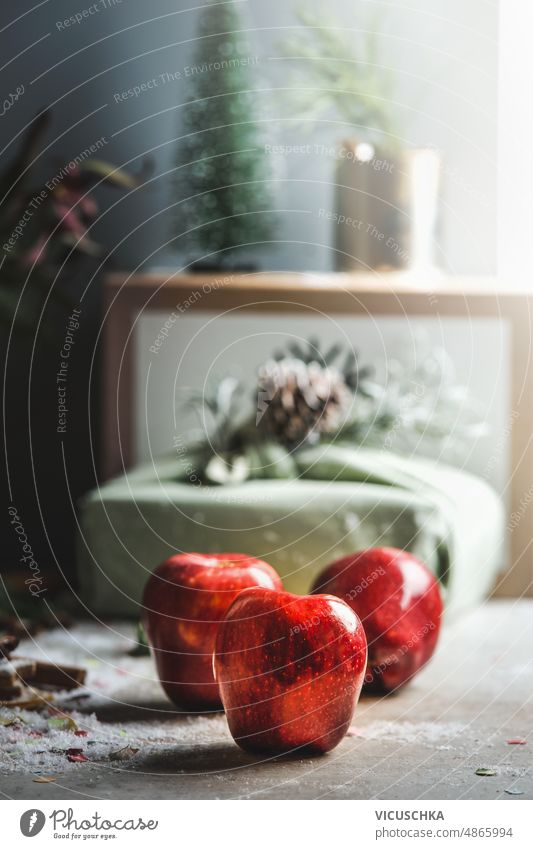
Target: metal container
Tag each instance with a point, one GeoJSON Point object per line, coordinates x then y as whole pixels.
{"type": "Point", "coordinates": [386, 210]}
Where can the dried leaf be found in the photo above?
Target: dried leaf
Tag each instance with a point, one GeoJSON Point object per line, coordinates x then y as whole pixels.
{"type": "Point", "coordinates": [123, 754]}
{"type": "Point", "coordinates": [9, 721]}
{"type": "Point", "coordinates": [44, 779]}
{"type": "Point", "coordinates": [36, 700]}
{"type": "Point", "coordinates": [62, 723]}
{"type": "Point", "coordinates": [517, 741]}
{"type": "Point", "coordinates": [484, 771]}
{"type": "Point", "coordinates": [76, 756]}
{"type": "Point", "coordinates": [8, 644]}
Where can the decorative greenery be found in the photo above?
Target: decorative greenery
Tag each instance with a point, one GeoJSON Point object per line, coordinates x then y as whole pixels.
{"type": "Point", "coordinates": [40, 227]}
{"type": "Point", "coordinates": [142, 646]}
{"type": "Point", "coordinates": [354, 376]}
{"type": "Point", "coordinates": [339, 69]}
{"type": "Point", "coordinates": [305, 395]}
{"type": "Point", "coordinates": [221, 174]}
{"type": "Point", "coordinates": [417, 408]}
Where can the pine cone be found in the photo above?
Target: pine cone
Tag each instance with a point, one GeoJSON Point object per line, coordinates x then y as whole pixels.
{"type": "Point", "coordinates": [298, 401]}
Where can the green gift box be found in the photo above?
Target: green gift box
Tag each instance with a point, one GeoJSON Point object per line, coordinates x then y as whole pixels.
{"type": "Point", "coordinates": [332, 501]}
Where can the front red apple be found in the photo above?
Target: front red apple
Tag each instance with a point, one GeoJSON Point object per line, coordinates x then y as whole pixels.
{"type": "Point", "coordinates": [400, 605]}
{"type": "Point", "coordinates": [183, 602]}
{"type": "Point", "coordinates": [290, 670]}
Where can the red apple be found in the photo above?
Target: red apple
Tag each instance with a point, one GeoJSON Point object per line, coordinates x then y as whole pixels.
{"type": "Point", "coordinates": [290, 670]}
{"type": "Point", "coordinates": [399, 602]}
{"type": "Point", "coordinates": [183, 602]}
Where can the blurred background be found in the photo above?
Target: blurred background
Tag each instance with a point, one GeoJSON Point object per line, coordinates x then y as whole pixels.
{"type": "Point", "coordinates": [434, 83]}
{"type": "Point", "coordinates": [361, 137]}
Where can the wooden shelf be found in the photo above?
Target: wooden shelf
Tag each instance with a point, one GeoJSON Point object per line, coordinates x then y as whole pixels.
{"type": "Point", "coordinates": [327, 282]}
{"type": "Point", "coordinates": [392, 294]}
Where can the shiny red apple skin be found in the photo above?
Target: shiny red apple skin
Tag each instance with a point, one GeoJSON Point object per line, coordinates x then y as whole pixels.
{"type": "Point", "coordinates": [399, 602]}
{"type": "Point", "coordinates": [290, 670]}
{"type": "Point", "coordinates": [183, 602]}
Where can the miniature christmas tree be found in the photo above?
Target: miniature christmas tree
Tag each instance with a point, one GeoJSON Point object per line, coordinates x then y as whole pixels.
{"type": "Point", "coordinates": [222, 179]}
